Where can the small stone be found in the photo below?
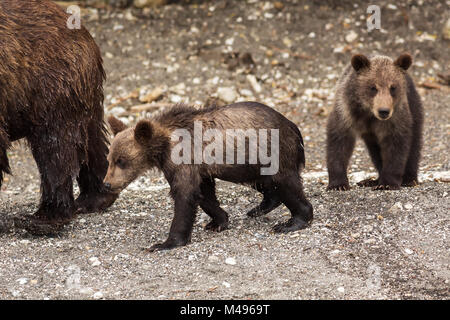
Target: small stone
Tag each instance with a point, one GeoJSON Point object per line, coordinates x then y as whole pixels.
{"type": "Point", "coordinates": [213, 258]}
{"type": "Point", "coordinates": [287, 42]}
{"type": "Point", "coordinates": [408, 251]}
{"type": "Point", "coordinates": [351, 36]}
{"type": "Point", "coordinates": [229, 41]}
{"type": "Point", "coordinates": [254, 83]}
{"type": "Point", "coordinates": [341, 290]}
{"type": "Point", "coordinates": [408, 206]}
{"type": "Point", "coordinates": [22, 280]}
{"type": "Point", "coordinates": [226, 284]}
{"type": "Point", "coordinates": [94, 261]}
{"type": "Point", "coordinates": [230, 261]}
{"type": "Point", "coordinates": [174, 98]}
{"type": "Point", "coordinates": [118, 27]}
{"type": "Point", "coordinates": [98, 295]}
{"type": "Point", "coordinates": [396, 207]}
{"type": "Point", "coordinates": [227, 94]}
{"type": "Point", "coordinates": [86, 291]}
{"type": "Point", "coordinates": [117, 110]}
{"type": "Point", "coordinates": [179, 88]}
{"type": "Point", "coordinates": [246, 92]}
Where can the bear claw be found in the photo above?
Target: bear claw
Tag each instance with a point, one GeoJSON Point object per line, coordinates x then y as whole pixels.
{"type": "Point", "coordinates": [370, 182]}
{"type": "Point", "coordinates": [217, 227]}
{"type": "Point", "coordinates": [291, 225]}
{"type": "Point", "coordinates": [341, 187]}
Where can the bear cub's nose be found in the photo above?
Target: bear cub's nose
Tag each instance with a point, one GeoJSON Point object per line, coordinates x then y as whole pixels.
{"type": "Point", "coordinates": [384, 113]}
{"type": "Point", "coordinates": [107, 186]}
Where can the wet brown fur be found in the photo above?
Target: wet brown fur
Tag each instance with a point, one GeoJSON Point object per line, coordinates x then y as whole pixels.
{"type": "Point", "coordinates": [367, 88]}
{"type": "Point", "coordinates": [149, 145]}
{"type": "Point", "coordinates": [51, 94]}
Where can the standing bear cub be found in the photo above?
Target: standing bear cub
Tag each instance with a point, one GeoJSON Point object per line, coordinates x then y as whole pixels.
{"type": "Point", "coordinates": [376, 100]}
{"type": "Point", "coordinates": [209, 151]}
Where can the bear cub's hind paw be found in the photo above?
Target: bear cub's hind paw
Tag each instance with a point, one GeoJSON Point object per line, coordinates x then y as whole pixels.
{"type": "Point", "coordinates": [386, 187]}
{"type": "Point", "coordinates": [368, 183]}
{"type": "Point", "coordinates": [217, 227]}
{"type": "Point", "coordinates": [339, 187]}
{"type": "Point", "coordinates": [167, 245]}
{"type": "Point", "coordinates": [293, 224]}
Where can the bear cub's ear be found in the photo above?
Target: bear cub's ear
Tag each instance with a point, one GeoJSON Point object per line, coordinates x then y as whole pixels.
{"type": "Point", "coordinates": [143, 131]}
{"type": "Point", "coordinates": [360, 62]}
{"type": "Point", "coordinates": [116, 125]}
{"type": "Point", "coordinates": [404, 61]}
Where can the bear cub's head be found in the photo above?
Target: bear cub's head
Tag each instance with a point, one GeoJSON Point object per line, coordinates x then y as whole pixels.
{"type": "Point", "coordinates": [380, 83]}
{"type": "Point", "coordinates": [132, 152]}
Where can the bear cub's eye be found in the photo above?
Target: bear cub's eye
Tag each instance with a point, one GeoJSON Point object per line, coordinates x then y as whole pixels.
{"type": "Point", "coordinates": [121, 163]}
{"type": "Point", "coordinates": [373, 90]}
{"type": "Point", "coordinates": [392, 90]}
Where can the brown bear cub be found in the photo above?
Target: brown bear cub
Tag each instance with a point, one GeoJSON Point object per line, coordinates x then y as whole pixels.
{"type": "Point", "coordinates": [51, 94]}
{"type": "Point", "coordinates": [155, 143]}
{"type": "Point", "coordinates": [376, 100]}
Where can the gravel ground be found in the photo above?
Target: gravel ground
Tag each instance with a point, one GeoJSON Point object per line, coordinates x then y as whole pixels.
{"type": "Point", "coordinates": [288, 54]}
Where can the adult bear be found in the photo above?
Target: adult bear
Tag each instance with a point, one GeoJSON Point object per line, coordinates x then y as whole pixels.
{"type": "Point", "coordinates": [51, 94]}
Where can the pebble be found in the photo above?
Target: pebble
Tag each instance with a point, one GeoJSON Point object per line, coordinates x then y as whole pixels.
{"type": "Point", "coordinates": [254, 83]}
{"type": "Point", "coordinates": [86, 291]}
{"type": "Point", "coordinates": [408, 251]}
{"type": "Point", "coordinates": [226, 284]}
{"type": "Point", "coordinates": [351, 36]}
{"type": "Point", "coordinates": [179, 88]}
{"type": "Point", "coordinates": [230, 261]}
{"type": "Point", "coordinates": [117, 110]}
{"type": "Point", "coordinates": [94, 261]}
{"type": "Point", "coordinates": [227, 94]}
{"type": "Point", "coordinates": [341, 290]}
{"type": "Point", "coordinates": [396, 207]}
{"type": "Point", "coordinates": [213, 258]}
{"type": "Point", "coordinates": [408, 206]}
{"type": "Point", "coordinates": [98, 295]}
{"type": "Point", "coordinates": [229, 41]}
{"type": "Point", "coordinates": [174, 98]}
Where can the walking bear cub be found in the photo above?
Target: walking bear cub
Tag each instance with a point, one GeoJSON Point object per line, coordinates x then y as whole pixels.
{"type": "Point", "coordinates": [376, 100]}
{"type": "Point", "coordinates": [51, 94]}
{"type": "Point", "coordinates": [207, 151]}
